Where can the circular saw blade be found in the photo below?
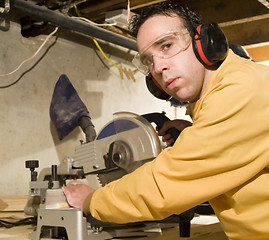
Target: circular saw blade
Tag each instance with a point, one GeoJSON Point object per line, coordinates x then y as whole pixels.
{"type": "Point", "coordinates": [109, 176]}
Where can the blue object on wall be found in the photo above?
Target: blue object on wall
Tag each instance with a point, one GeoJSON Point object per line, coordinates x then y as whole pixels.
{"type": "Point", "coordinates": [66, 107]}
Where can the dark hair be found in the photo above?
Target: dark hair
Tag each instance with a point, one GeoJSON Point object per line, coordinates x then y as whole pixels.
{"type": "Point", "coordinates": [167, 8]}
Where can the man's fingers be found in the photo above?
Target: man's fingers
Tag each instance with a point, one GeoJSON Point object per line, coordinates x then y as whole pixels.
{"type": "Point", "coordinates": [170, 142]}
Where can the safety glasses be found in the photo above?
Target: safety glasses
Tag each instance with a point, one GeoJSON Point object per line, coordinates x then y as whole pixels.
{"type": "Point", "coordinates": [166, 46]}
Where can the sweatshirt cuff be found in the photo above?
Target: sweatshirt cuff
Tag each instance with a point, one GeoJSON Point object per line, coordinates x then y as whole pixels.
{"type": "Point", "coordinates": [86, 204]}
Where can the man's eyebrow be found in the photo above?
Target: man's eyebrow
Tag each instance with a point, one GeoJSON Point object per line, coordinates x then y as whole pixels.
{"type": "Point", "coordinates": [160, 41]}
{"type": "Point", "coordinates": [154, 44]}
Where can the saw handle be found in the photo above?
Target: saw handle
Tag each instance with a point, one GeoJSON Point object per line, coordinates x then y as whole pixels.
{"type": "Point", "coordinates": [159, 119]}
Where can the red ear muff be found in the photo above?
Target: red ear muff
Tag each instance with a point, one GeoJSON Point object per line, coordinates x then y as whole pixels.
{"type": "Point", "coordinates": [155, 88]}
{"type": "Point", "coordinates": [210, 44]}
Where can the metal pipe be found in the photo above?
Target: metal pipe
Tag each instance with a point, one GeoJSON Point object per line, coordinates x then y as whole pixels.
{"type": "Point", "coordinates": [58, 19]}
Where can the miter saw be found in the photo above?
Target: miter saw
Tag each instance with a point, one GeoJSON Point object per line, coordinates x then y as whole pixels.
{"type": "Point", "coordinates": [125, 143]}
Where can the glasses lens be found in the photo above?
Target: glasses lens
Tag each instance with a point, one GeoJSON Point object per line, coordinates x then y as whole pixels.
{"type": "Point", "coordinates": [165, 47]}
{"type": "Point", "coordinates": [139, 65]}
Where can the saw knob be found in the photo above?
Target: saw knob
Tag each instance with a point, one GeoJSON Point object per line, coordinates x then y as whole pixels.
{"type": "Point", "coordinates": [32, 164]}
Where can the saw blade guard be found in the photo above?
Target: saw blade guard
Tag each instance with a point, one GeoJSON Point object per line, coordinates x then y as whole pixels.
{"type": "Point", "coordinates": [135, 140]}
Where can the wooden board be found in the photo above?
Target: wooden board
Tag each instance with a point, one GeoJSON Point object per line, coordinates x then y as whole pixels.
{"type": "Point", "coordinates": [12, 203]}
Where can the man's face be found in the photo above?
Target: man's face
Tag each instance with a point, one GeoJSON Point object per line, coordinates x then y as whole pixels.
{"type": "Point", "coordinates": [178, 71]}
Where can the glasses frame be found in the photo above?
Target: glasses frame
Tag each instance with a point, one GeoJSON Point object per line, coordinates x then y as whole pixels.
{"type": "Point", "coordinates": [146, 69]}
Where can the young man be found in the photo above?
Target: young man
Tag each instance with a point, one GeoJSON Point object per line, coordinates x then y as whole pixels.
{"type": "Point", "coordinates": [222, 158]}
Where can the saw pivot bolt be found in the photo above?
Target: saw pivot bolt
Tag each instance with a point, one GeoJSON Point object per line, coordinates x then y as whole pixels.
{"type": "Point", "coordinates": [120, 154]}
{"type": "Point", "coordinates": [116, 157]}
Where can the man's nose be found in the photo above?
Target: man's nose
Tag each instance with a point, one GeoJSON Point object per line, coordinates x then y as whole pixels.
{"type": "Point", "coordinates": [159, 64]}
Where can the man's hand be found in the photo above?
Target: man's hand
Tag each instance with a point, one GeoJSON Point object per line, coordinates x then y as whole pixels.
{"type": "Point", "coordinates": [76, 194]}
{"type": "Point", "coordinates": [178, 124]}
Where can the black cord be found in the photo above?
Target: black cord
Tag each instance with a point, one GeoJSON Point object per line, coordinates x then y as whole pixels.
{"type": "Point", "coordinates": [21, 222]}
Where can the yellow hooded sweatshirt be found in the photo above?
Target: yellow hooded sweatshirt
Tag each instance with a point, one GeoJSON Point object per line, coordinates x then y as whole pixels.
{"type": "Point", "coordinates": [222, 158]}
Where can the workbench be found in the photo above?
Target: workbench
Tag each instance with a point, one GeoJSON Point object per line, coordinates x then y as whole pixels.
{"type": "Point", "coordinates": [11, 209]}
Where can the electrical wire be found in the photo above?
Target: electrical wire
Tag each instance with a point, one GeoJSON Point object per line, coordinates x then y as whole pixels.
{"type": "Point", "coordinates": [128, 10]}
{"type": "Point", "coordinates": [21, 222]}
{"type": "Point", "coordinates": [105, 56]}
{"type": "Point", "coordinates": [123, 71]}
{"type": "Point", "coordinates": [93, 23]}
{"type": "Point", "coordinates": [30, 69]}
{"type": "Point", "coordinates": [30, 58]}
{"type": "Point", "coordinates": [94, 40]}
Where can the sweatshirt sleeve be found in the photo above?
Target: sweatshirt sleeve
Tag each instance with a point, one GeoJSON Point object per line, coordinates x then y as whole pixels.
{"type": "Point", "coordinates": [207, 160]}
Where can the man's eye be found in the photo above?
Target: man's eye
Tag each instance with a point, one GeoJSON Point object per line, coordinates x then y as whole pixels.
{"type": "Point", "coordinates": [166, 46]}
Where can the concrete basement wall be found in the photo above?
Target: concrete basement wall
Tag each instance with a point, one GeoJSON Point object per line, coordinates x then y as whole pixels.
{"type": "Point", "coordinates": [25, 126]}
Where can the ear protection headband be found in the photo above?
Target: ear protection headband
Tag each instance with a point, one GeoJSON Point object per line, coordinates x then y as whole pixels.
{"type": "Point", "coordinates": [210, 47]}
